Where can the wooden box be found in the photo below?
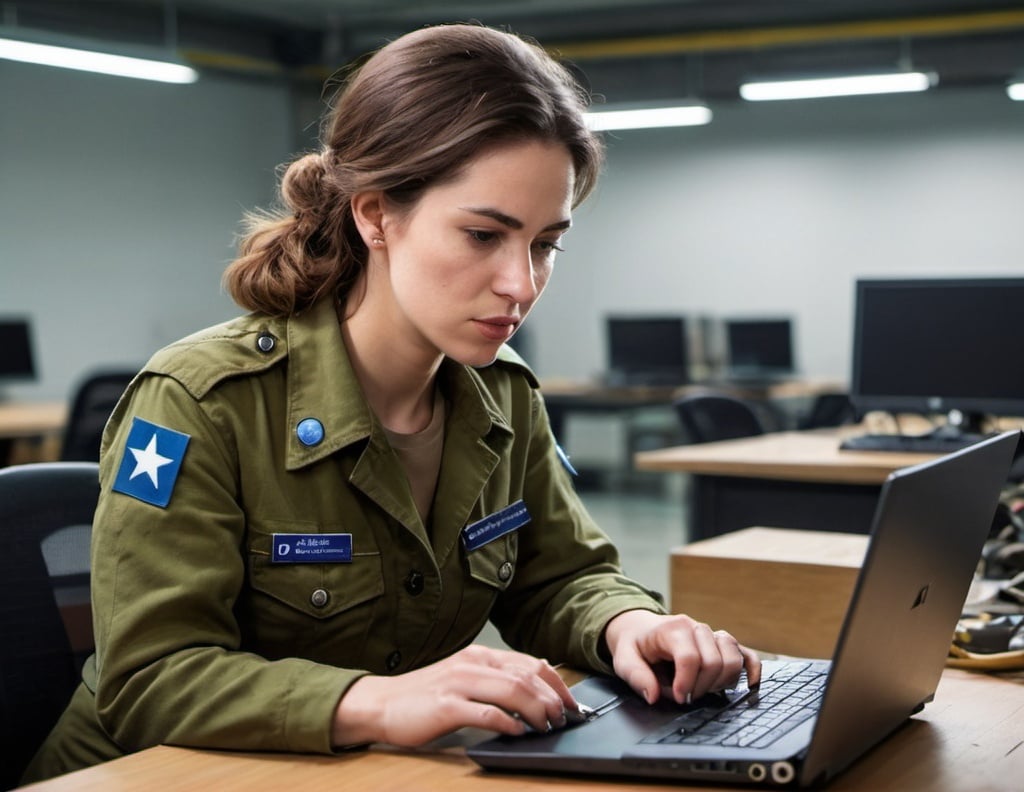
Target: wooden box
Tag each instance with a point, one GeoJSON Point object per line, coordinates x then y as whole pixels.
{"type": "Point", "coordinates": [776, 590]}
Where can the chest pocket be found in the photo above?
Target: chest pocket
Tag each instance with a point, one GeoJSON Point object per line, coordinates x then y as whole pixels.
{"type": "Point", "coordinates": [495, 562]}
{"type": "Point", "coordinates": [317, 590]}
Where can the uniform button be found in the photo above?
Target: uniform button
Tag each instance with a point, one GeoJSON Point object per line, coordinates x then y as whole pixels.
{"type": "Point", "coordinates": [505, 571]}
{"type": "Point", "coordinates": [414, 582]}
{"type": "Point", "coordinates": [310, 432]}
{"type": "Point", "coordinates": [265, 342]}
{"type": "Point", "coordinates": [319, 598]}
{"type": "Point", "coordinates": [394, 660]}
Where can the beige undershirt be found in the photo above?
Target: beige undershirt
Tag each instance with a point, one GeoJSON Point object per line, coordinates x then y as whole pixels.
{"type": "Point", "coordinates": [420, 457]}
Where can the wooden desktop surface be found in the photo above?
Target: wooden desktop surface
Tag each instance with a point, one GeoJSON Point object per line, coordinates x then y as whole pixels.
{"type": "Point", "coordinates": [811, 455]}
{"type": "Point", "coordinates": [31, 419]}
{"type": "Point", "coordinates": [790, 456]}
{"type": "Point", "coordinates": [31, 431]}
{"type": "Point", "coordinates": [969, 738]}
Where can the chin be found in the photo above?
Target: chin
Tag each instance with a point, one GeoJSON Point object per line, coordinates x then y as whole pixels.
{"type": "Point", "coordinates": [477, 358]}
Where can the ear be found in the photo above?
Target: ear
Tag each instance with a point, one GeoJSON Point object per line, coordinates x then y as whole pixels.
{"type": "Point", "coordinates": [368, 214]}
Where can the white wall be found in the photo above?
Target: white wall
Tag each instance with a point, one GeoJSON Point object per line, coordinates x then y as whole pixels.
{"type": "Point", "coordinates": [119, 202]}
{"type": "Point", "coordinates": [777, 208]}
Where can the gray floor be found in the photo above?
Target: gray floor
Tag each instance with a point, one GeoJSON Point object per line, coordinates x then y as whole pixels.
{"type": "Point", "coordinates": [644, 525]}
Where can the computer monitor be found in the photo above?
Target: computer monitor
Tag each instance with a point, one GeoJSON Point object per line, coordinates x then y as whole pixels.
{"type": "Point", "coordinates": [759, 347]}
{"type": "Point", "coordinates": [949, 345]}
{"type": "Point", "coordinates": [17, 362]}
{"type": "Point", "coordinates": [647, 350]}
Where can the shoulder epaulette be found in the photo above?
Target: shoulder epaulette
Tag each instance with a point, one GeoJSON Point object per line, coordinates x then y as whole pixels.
{"type": "Point", "coordinates": [246, 345]}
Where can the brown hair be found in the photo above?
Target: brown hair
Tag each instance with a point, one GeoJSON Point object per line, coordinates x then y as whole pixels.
{"type": "Point", "coordinates": [411, 117]}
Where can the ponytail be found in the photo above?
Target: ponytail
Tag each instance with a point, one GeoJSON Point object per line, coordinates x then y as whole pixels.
{"type": "Point", "coordinates": [290, 258]}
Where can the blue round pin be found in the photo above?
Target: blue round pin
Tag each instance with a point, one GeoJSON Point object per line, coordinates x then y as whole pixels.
{"type": "Point", "coordinates": [310, 431]}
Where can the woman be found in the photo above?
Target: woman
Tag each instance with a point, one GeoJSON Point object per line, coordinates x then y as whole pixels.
{"type": "Point", "coordinates": [308, 513]}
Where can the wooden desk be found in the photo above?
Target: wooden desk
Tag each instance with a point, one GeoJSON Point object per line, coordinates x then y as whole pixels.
{"type": "Point", "coordinates": [23, 421]}
{"type": "Point", "coordinates": [792, 479]}
{"type": "Point", "coordinates": [969, 738]}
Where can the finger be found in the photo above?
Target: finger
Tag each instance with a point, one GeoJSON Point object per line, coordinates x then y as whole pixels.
{"type": "Point", "coordinates": [479, 715]}
{"type": "Point", "coordinates": [708, 662]}
{"type": "Point", "coordinates": [732, 661]}
{"type": "Point", "coordinates": [550, 675]}
{"type": "Point", "coordinates": [752, 663]}
{"type": "Point", "coordinates": [631, 667]}
{"type": "Point", "coordinates": [687, 662]}
{"type": "Point", "coordinates": [520, 689]}
{"type": "Point", "coordinates": [543, 677]}
{"type": "Point", "coordinates": [542, 674]}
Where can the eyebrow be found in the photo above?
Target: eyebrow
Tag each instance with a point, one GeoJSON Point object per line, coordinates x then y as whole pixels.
{"type": "Point", "coordinates": [512, 222]}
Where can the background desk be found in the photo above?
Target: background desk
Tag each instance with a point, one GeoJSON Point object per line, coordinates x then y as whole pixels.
{"type": "Point", "coordinates": [792, 479]}
{"type": "Point", "coordinates": [41, 422]}
{"type": "Point", "coordinates": [969, 738]}
{"type": "Point", "coordinates": [563, 397]}
{"type": "Point", "coordinates": [648, 415]}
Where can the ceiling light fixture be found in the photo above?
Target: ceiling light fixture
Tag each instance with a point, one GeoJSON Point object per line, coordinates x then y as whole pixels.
{"type": "Point", "coordinates": [1016, 91]}
{"type": "Point", "coordinates": [648, 117]}
{"type": "Point", "coordinates": [67, 57]}
{"type": "Point", "coordinates": [853, 85]}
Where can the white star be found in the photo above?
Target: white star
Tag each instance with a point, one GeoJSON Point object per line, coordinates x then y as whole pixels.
{"type": "Point", "coordinates": [148, 461]}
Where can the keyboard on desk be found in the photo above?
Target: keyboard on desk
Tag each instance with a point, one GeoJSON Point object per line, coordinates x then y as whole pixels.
{"type": "Point", "coordinates": [911, 444]}
{"type": "Point", "coordinates": [768, 712]}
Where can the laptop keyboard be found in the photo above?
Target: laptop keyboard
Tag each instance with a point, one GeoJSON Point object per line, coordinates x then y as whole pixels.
{"type": "Point", "coordinates": [756, 720]}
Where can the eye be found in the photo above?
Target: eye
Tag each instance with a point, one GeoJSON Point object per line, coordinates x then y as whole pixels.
{"type": "Point", "coordinates": [482, 237]}
{"type": "Point", "coordinates": [548, 246]}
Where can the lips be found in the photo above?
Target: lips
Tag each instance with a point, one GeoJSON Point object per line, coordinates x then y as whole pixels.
{"type": "Point", "coordinates": [497, 328]}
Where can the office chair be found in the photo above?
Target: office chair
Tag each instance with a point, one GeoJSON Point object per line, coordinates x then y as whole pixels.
{"type": "Point", "coordinates": [707, 417]}
{"type": "Point", "coordinates": [46, 512]}
{"type": "Point", "coordinates": [94, 401]}
{"type": "Point", "coordinates": [829, 409]}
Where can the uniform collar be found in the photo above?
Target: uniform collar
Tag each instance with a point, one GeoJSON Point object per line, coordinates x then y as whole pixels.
{"type": "Point", "coordinates": [322, 385]}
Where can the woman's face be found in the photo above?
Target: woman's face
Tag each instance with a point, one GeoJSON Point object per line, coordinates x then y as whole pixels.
{"type": "Point", "coordinates": [467, 263]}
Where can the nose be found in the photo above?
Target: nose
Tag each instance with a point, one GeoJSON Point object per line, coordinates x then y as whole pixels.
{"type": "Point", "coordinates": [516, 278]}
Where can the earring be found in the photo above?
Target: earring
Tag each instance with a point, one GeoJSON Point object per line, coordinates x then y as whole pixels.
{"type": "Point", "coordinates": [377, 241]}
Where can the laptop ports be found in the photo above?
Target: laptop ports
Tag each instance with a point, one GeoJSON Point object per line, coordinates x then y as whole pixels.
{"type": "Point", "coordinates": [782, 772]}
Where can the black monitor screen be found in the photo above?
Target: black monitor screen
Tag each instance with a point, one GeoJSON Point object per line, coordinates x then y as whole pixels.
{"type": "Point", "coordinates": [760, 344]}
{"type": "Point", "coordinates": [939, 345]}
{"type": "Point", "coordinates": [16, 361]}
{"type": "Point", "coordinates": [648, 350]}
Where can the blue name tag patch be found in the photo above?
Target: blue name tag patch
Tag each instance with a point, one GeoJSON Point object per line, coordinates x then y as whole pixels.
{"type": "Point", "coordinates": [494, 526]}
{"type": "Point", "coordinates": [333, 548]}
{"type": "Point", "coordinates": [150, 462]}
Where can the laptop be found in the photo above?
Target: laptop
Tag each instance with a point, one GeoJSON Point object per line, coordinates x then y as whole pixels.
{"type": "Point", "coordinates": [929, 528]}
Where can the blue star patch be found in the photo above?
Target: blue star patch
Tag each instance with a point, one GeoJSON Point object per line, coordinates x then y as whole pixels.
{"type": "Point", "coordinates": [150, 463]}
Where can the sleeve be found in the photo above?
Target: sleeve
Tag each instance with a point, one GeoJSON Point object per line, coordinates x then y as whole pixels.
{"type": "Point", "coordinates": [568, 582]}
{"type": "Point", "coordinates": [165, 581]}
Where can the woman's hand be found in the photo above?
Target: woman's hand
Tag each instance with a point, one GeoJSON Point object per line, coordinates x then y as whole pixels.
{"type": "Point", "coordinates": [676, 655]}
{"type": "Point", "coordinates": [492, 689]}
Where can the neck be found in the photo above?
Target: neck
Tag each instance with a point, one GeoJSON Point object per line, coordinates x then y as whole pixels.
{"type": "Point", "coordinates": [397, 378]}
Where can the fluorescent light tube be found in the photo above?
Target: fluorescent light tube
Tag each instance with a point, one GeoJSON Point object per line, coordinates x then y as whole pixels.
{"type": "Point", "coordinates": [900, 82]}
{"type": "Point", "coordinates": [103, 63]}
{"type": "Point", "coordinates": [648, 117]}
{"type": "Point", "coordinates": [1016, 91]}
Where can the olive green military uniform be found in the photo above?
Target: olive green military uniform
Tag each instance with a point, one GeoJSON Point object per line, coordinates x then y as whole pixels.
{"type": "Point", "coordinates": [202, 640]}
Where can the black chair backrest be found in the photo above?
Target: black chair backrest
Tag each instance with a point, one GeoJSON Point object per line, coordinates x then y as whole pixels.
{"type": "Point", "coordinates": [94, 401]}
{"type": "Point", "coordinates": [46, 512]}
{"type": "Point", "coordinates": [708, 417]}
{"type": "Point", "coordinates": [829, 409]}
